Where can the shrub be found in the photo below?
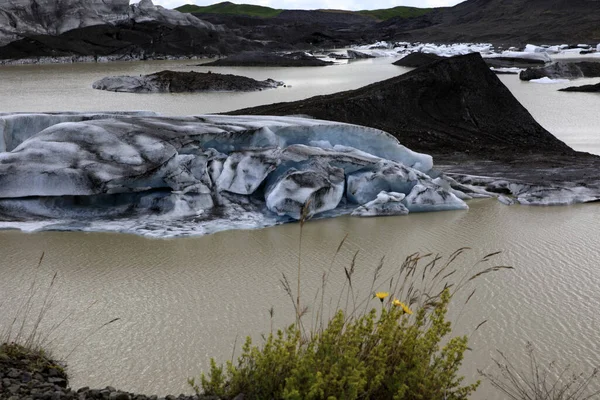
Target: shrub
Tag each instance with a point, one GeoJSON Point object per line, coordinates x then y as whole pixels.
{"type": "Point", "coordinates": [383, 352]}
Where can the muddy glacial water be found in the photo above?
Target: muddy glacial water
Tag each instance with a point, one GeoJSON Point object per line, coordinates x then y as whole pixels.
{"type": "Point", "coordinates": [183, 300]}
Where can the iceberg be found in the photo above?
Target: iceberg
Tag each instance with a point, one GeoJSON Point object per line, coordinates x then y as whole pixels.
{"type": "Point", "coordinates": [154, 175]}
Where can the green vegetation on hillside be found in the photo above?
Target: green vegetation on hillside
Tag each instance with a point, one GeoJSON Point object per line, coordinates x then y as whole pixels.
{"type": "Point", "coordinates": [230, 8]}
{"type": "Point", "coordinates": [400, 11]}
{"type": "Point", "coordinates": [267, 12]}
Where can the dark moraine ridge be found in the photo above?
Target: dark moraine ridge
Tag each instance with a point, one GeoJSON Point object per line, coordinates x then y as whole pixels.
{"type": "Point", "coordinates": [584, 89]}
{"type": "Point", "coordinates": [455, 105]}
{"type": "Point", "coordinates": [264, 59]}
{"type": "Point", "coordinates": [182, 82]}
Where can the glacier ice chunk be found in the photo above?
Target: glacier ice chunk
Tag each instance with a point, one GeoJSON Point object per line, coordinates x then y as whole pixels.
{"type": "Point", "coordinates": [318, 186]}
{"type": "Point", "coordinates": [386, 204]}
{"type": "Point", "coordinates": [432, 198]}
{"type": "Point", "coordinates": [364, 185]}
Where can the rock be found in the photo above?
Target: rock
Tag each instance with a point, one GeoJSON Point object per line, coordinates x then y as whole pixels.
{"type": "Point", "coordinates": [14, 389]}
{"type": "Point", "coordinates": [455, 105]}
{"type": "Point", "coordinates": [356, 55]}
{"type": "Point", "coordinates": [58, 382]}
{"type": "Point", "coordinates": [178, 82]}
{"type": "Point", "coordinates": [562, 70]}
{"type": "Point", "coordinates": [415, 60]}
{"type": "Point", "coordinates": [119, 396]}
{"type": "Point", "coordinates": [585, 88]}
{"type": "Point", "coordinates": [265, 59]}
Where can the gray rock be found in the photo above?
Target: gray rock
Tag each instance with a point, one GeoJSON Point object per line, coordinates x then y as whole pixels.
{"type": "Point", "coordinates": [119, 396]}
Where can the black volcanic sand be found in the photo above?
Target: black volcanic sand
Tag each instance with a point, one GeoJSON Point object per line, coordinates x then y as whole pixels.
{"type": "Point", "coordinates": [182, 82]}
{"type": "Point", "coordinates": [584, 89]}
{"type": "Point", "coordinates": [264, 59]}
{"type": "Point", "coordinates": [415, 60]}
{"type": "Point", "coordinates": [455, 105]}
{"type": "Point", "coordinates": [458, 111]}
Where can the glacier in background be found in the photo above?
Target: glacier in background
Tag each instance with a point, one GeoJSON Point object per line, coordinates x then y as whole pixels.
{"type": "Point", "coordinates": [143, 173]}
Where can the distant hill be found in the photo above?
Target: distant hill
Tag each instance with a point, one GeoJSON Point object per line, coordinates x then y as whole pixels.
{"type": "Point", "coordinates": [231, 8]}
{"type": "Point", "coordinates": [503, 21]}
{"type": "Point", "coordinates": [267, 12]}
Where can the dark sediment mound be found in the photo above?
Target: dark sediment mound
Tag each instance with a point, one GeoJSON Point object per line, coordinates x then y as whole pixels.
{"type": "Point", "coordinates": [583, 69]}
{"type": "Point", "coordinates": [502, 22]}
{"type": "Point", "coordinates": [585, 89]}
{"type": "Point", "coordinates": [415, 60]}
{"type": "Point", "coordinates": [264, 59]}
{"type": "Point", "coordinates": [456, 105]}
{"type": "Point", "coordinates": [181, 82]}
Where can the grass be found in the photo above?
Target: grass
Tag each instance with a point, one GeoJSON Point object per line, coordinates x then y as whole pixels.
{"type": "Point", "coordinates": [538, 382]}
{"type": "Point", "coordinates": [394, 343]}
{"type": "Point", "coordinates": [400, 11]}
{"type": "Point", "coordinates": [29, 331]}
{"type": "Point", "coordinates": [233, 9]}
{"type": "Point", "coordinates": [268, 12]}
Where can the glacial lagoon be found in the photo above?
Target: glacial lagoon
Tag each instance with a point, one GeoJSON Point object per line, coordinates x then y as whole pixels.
{"type": "Point", "coordinates": [183, 300]}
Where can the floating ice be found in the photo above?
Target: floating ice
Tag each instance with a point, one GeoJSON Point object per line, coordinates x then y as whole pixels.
{"type": "Point", "coordinates": [164, 176]}
{"type": "Point", "coordinates": [547, 80]}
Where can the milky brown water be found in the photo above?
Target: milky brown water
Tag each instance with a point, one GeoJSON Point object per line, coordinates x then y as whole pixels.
{"type": "Point", "coordinates": [181, 301]}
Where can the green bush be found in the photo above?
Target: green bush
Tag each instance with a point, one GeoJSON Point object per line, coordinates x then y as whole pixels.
{"type": "Point", "coordinates": [385, 354]}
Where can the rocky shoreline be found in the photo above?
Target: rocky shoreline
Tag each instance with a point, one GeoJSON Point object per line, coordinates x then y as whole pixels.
{"type": "Point", "coordinates": [30, 375]}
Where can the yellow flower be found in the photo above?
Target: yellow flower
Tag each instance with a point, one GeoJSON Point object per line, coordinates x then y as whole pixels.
{"type": "Point", "coordinates": [381, 295]}
{"type": "Point", "coordinates": [404, 306]}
